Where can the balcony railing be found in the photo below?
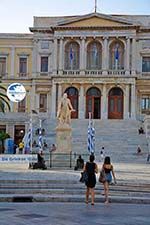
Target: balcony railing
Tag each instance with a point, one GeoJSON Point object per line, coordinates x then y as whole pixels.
{"type": "Point", "coordinates": [146, 74]}
{"type": "Point", "coordinates": [93, 73]}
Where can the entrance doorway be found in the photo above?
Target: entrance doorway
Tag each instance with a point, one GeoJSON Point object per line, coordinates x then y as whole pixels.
{"type": "Point", "coordinates": [72, 93]}
{"type": "Point", "coordinates": [93, 102]}
{"type": "Point", "coordinates": [115, 103]}
{"type": "Point", "coordinates": [19, 133]}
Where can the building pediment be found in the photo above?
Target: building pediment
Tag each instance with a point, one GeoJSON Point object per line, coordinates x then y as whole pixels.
{"type": "Point", "coordinates": [95, 20]}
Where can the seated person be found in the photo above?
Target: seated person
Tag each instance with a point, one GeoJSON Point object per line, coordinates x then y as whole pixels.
{"type": "Point", "coordinates": [139, 150]}
{"type": "Point", "coordinates": [41, 162]}
{"type": "Point", "coordinates": [53, 148]}
{"type": "Point", "coordinates": [79, 163]}
{"type": "Point", "coordinates": [141, 130]}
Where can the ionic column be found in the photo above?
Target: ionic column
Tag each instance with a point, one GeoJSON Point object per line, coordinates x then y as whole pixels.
{"type": "Point", "coordinates": [126, 103]}
{"type": "Point", "coordinates": [128, 56]}
{"type": "Point", "coordinates": [55, 56]}
{"type": "Point", "coordinates": [105, 56]}
{"type": "Point", "coordinates": [53, 101]}
{"type": "Point", "coordinates": [81, 103]}
{"type": "Point", "coordinates": [82, 55]}
{"type": "Point", "coordinates": [133, 67]}
{"type": "Point", "coordinates": [133, 99]}
{"type": "Point", "coordinates": [12, 69]}
{"type": "Point", "coordinates": [104, 104]}
{"type": "Point", "coordinates": [61, 56]}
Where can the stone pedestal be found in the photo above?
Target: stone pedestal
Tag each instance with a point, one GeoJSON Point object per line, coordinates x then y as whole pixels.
{"type": "Point", "coordinates": [63, 138]}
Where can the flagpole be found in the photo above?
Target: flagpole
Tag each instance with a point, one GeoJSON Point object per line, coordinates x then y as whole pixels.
{"type": "Point", "coordinates": [40, 132]}
{"type": "Point", "coordinates": [90, 117]}
{"type": "Point", "coordinates": [31, 121]}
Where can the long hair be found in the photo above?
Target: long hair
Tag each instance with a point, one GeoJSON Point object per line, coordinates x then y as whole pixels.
{"type": "Point", "coordinates": [92, 158]}
{"type": "Point", "coordinates": [107, 160]}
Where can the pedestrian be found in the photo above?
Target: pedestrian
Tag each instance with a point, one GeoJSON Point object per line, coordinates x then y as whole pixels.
{"type": "Point", "coordinates": [21, 146]}
{"type": "Point", "coordinates": [91, 168]}
{"type": "Point", "coordinates": [109, 172]}
{"type": "Point", "coordinates": [102, 154]}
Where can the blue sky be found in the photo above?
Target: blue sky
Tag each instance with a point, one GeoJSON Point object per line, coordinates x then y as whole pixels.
{"type": "Point", "coordinates": [17, 15]}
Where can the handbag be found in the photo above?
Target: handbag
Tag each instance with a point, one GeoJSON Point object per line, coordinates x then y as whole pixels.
{"type": "Point", "coordinates": [84, 177]}
{"type": "Point", "coordinates": [102, 176]}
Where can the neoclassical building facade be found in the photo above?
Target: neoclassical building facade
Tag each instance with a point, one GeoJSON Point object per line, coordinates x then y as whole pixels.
{"type": "Point", "coordinates": [101, 61]}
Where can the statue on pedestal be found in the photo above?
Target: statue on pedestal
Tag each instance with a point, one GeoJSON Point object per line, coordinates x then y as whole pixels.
{"type": "Point", "coordinates": [64, 111]}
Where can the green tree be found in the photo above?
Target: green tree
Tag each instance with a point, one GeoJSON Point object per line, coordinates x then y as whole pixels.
{"type": "Point", "coordinates": [4, 100]}
{"type": "Point", "coordinates": [3, 137]}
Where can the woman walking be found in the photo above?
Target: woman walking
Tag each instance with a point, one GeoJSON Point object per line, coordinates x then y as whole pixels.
{"type": "Point", "coordinates": [109, 172]}
{"type": "Point", "coordinates": [91, 168]}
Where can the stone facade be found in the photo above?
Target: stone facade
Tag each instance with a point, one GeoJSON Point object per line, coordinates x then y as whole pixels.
{"type": "Point", "coordinates": [59, 57]}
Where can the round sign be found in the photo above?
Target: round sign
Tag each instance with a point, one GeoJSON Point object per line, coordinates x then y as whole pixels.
{"type": "Point", "coordinates": [16, 92]}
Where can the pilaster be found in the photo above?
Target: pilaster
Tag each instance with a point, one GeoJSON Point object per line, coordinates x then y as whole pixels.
{"type": "Point", "coordinates": [104, 103]}
{"type": "Point", "coordinates": [133, 99]}
{"type": "Point", "coordinates": [55, 56]}
{"type": "Point", "coordinates": [105, 56]}
{"type": "Point", "coordinates": [133, 56]}
{"type": "Point", "coordinates": [34, 58]}
{"type": "Point", "coordinates": [61, 56]}
{"type": "Point", "coordinates": [81, 103]}
{"type": "Point", "coordinates": [128, 56]}
{"type": "Point", "coordinates": [82, 55]}
{"type": "Point", "coordinates": [53, 101]}
{"type": "Point", "coordinates": [12, 69]}
{"type": "Point", "coordinates": [126, 103]}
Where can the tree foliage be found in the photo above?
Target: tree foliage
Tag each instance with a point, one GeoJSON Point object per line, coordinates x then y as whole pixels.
{"type": "Point", "coordinates": [4, 100]}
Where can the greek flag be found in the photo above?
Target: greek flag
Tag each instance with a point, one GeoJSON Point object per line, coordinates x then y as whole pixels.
{"type": "Point", "coordinates": [116, 53]}
{"type": "Point", "coordinates": [91, 137]}
{"type": "Point", "coordinates": [116, 56]}
{"type": "Point", "coordinates": [27, 141]}
{"type": "Point", "coordinates": [71, 54]}
{"type": "Point", "coordinates": [40, 138]}
{"type": "Point", "coordinates": [95, 53]}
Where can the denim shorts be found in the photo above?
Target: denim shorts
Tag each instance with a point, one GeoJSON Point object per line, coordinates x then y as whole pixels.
{"type": "Point", "coordinates": [108, 177]}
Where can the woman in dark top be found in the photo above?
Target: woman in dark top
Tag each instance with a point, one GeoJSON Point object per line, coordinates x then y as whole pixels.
{"type": "Point", "coordinates": [91, 168]}
{"type": "Point", "coordinates": [109, 172]}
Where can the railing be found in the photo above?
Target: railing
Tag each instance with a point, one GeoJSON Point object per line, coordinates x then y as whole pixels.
{"type": "Point", "coordinates": [62, 160]}
{"type": "Point", "coordinates": [94, 72]}
{"type": "Point", "coordinates": [145, 73]}
{"type": "Point", "coordinates": [71, 72]}
{"type": "Point", "coordinates": [116, 72]}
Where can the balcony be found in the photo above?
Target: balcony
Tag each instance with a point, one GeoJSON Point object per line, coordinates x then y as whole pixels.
{"type": "Point", "coordinates": [97, 73]}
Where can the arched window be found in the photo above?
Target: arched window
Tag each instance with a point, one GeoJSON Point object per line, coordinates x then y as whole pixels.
{"type": "Point", "coordinates": [72, 56]}
{"type": "Point", "coordinates": [116, 59]}
{"type": "Point", "coordinates": [94, 56]}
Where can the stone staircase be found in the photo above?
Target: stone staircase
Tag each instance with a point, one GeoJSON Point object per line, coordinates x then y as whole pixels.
{"type": "Point", "coordinates": [119, 137]}
{"type": "Point", "coordinates": [64, 186]}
